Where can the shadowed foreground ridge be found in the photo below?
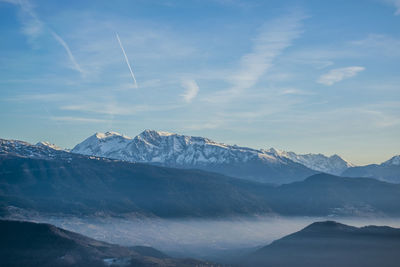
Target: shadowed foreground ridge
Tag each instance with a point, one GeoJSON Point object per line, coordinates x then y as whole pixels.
{"type": "Point", "coordinates": [332, 244]}
{"type": "Point", "coordinates": [34, 244]}
{"type": "Point", "coordinates": [86, 186]}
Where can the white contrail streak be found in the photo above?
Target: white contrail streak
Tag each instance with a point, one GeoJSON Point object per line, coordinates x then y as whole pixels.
{"type": "Point", "coordinates": [127, 60]}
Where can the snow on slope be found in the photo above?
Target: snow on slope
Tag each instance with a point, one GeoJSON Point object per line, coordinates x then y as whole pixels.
{"type": "Point", "coordinates": [48, 144]}
{"type": "Point", "coordinates": [318, 162]}
{"type": "Point", "coordinates": [108, 145]}
{"type": "Point", "coordinates": [393, 161]}
{"type": "Point", "coordinates": [24, 149]}
{"type": "Point", "coordinates": [179, 150]}
{"type": "Point", "coordinates": [167, 148]}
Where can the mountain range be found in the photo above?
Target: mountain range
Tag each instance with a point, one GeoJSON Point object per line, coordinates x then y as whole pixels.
{"type": "Point", "coordinates": [387, 171]}
{"type": "Point", "coordinates": [180, 151]}
{"type": "Point", "coordinates": [46, 180]}
{"type": "Point", "coordinates": [263, 165]}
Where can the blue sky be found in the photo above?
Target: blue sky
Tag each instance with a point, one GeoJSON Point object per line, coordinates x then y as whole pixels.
{"type": "Point", "coordinates": [304, 76]}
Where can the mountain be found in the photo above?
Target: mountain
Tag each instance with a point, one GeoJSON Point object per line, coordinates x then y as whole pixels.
{"type": "Point", "coordinates": [40, 151]}
{"type": "Point", "coordinates": [333, 165]}
{"type": "Point", "coordinates": [52, 181]}
{"type": "Point", "coordinates": [34, 244]}
{"type": "Point", "coordinates": [108, 145]}
{"type": "Point", "coordinates": [189, 152]}
{"type": "Point", "coordinates": [387, 171]}
{"type": "Point", "coordinates": [394, 161]}
{"type": "Point", "coordinates": [327, 195]}
{"type": "Point", "coordinates": [332, 244]}
{"type": "Point", "coordinates": [48, 144]}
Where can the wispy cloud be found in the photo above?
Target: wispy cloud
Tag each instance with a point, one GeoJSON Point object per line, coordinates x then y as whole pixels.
{"type": "Point", "coordinates": [114, 108]}
{"type": "Point", "coordinates": [54, 97]}
{"type": "Point", "coordinates": [294, 91]}
{"type": "Point", "coordinates": [274, 37]}
{"type": "Point", "coordinates": [383, 45]}
{"type": "Point", "coordinates": [78, 119]}
{"type": "Point", "coordinates": [396, 4]}
{"type": "Point", "coordinates": [336, 75]}
{"type": "Point", "coordinates": [33, 27]}
{"type": "Point", "coordinates": [192, 89]}
{"type": "Point", "coordinates": [107, 108]}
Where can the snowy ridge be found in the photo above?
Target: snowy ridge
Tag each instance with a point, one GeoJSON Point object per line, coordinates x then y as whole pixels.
{"type": "Point", "coordinates": [48, 144]}
{"type": "Point", "coordinates": [109, 145]}
{"type": "Point", "coordinates": [318, 162]}
{"type": "Point", "coordinates": [168, 148]}
{"type": "Point", "coordinates": [39, 151]}
{"type": "Point", "coordinates": [394, 161]}
{"type": "Point", "coordinates": [189, 151]}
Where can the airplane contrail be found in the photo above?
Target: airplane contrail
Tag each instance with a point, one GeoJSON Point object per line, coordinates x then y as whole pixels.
{"type": "Point", "coordinates": [127, 60]}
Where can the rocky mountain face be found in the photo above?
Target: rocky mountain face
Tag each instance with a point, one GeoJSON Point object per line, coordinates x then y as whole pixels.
{"type": "Point", "coordinates": [180, 151]}
{"type": "Point", "coordinates": [39, 151]}
{"type": "Point", "coordinates": [331, 244]}
{"type": "Point", "coordinates": [188, 152]}
{"type": "Point", "coordinates": [318, 162]}
{"type": "Point", "coordinates": [388, 171]}
{"type": "Point", "coordinates": [394, 161]}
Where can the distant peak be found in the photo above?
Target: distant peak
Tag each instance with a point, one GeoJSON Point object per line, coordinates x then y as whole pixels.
{"type": "Point", "coordinates": [154, 132]}
{"type": "Point", "coordinates": [274, 151]}
{"type": "Point", "coordinates": [327, 226]}
{"type": "Point", "coordinates": [48, 144]}
{"type": "Point", "coordinates": [109, 134]}
{"type": "Point", "coordinates": [393, 161]}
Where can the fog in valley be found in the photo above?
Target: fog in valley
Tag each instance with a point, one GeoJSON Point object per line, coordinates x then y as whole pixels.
{"type": "Point", "coordinates": [200, 238]}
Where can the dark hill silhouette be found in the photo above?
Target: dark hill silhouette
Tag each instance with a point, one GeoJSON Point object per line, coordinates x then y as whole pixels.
{"type": "Point", "coordinates": [332, 244]}
{"type": "Point", "coordinates": [32, 244]}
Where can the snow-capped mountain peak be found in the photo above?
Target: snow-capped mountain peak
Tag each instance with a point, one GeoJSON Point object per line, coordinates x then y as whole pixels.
{"type": "Point", "coordinates": [176, 150]}
{"type": "Point", "coordinates": [42, 150]}
{"type": "Point", "coordinates": [105, 144]}
{"type": "Point", "coordinates": [393, 161]}
{"type": "Point", "coordinates": [48, 144]}
{"type": "Point", "coordinates": [109, 135]}
{"type": "Point", "coordinates": [319, 162]}
{"type": "Point", "coordinates": [168, 149]}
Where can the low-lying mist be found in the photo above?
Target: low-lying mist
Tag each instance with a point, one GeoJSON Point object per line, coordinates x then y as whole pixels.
{"type": "Point", "coordinates": [211, 239]}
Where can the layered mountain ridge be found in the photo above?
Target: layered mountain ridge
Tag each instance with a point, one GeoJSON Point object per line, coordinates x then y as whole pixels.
{"type": "Point", "coordinates": [330, 243]}
{"type": "Point", "coordinates": [333, 164]}
{"type": "Point", "coordinates": [190, 152]}
{"type": "Point", "coordinates": [174, 150]}
{"type": "Point", "coordinates": [388, 171]}
{"type": "Point", "coordinates": [59, 182]}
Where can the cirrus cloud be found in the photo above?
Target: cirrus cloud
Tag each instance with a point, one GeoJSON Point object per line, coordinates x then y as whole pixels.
{"type": "Point", "coordinates": [192, 89]}
{"type": "Point", "coordinates": [336, 75]}
{"type": "Point", "coordinates": [396, 4]}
